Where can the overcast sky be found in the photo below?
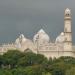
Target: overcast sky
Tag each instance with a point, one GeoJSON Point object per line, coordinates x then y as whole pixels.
{"type": "Point", "coordinates": [29, 16]}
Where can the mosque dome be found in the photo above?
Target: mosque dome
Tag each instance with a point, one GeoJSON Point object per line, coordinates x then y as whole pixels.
{"type": "Point", "coordinates": [41, 31]}
{"type": "Point", "coordinates": [41, 35]}
{"type": "Point", "coordinates": [60, 38]}
{"type": "Point", "coordinates": [24, 43]}
{"type": "Point", "coordinates": [21, 39]}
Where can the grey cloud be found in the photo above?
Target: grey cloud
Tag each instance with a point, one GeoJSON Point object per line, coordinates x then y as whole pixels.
{"type": "Point", "coordinates": [26, 16]}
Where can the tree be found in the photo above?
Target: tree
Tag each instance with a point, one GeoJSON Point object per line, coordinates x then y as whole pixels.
{"type": "Point", "coordinates": [18, 71]}
{"type": "Point", "coordinates": [5, 72]}
{"type": "Point", "coordinates": [1, 60]}
{"type": "Point", "coordinates": [48, 73]}
{"type": "Point", "coordinates": [34, 70]}
{"type": "Point", "coordinates": [11, 57]}
{"type": "Point", "coordinates": [31, 59]}
{"type": "Point", "coordinates": [70, 71]}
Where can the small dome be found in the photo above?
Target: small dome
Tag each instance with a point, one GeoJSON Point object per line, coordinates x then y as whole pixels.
{"type": "Point", "coordinates": [60, 38]}
{"type": "Point", "coordinates": [41, 35]}
{"type": "Point", "coordinates": [67, 11]}
{"type": "Point", "coordinates": [62, 34]}
{"type": "Point", "coordinates": [21, 39]}
{"type": "Point", "coordinates": [21, 36]}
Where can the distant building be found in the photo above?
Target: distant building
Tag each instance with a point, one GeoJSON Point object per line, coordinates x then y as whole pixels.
{"type": "Point", "coordinates": [42, 44]}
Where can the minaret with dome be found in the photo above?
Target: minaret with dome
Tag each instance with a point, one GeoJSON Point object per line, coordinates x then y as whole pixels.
{"type": "Point", "coordinates": [67, 30]}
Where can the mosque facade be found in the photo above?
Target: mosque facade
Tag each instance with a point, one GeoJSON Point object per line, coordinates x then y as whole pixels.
{"type": "Point", "coordinates": [41, 43]}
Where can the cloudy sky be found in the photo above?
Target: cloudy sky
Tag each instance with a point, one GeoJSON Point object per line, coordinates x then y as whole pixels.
{"type": "Point", "coordinates": [29, 16]}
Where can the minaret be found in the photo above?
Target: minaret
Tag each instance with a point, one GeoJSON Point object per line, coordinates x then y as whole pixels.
{"type": "Point", "coordinates": [67, 30]}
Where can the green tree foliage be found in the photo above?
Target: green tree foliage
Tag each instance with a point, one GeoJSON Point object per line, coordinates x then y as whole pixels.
{"type": "Point", "coordinates": [70, 71]}
{"type": "Point", "coordinates": [11, 57]}
{"type": "Point", "coordinates": [15, 62]}
{"type": "Point", "coordinates": [5, 72]}
{"type": "Point", "coordinates": [31, 59]}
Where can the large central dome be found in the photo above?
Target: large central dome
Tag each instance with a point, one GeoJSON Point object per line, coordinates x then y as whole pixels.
{"type": "Point", "coordinates": [41, 36]}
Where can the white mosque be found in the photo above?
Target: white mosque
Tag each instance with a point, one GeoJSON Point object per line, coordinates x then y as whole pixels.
{"type": "Point", "coordinates": [41, 43]}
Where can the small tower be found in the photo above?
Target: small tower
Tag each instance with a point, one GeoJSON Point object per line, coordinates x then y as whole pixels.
{"type": "Point", "coordinates": [67, 30]}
